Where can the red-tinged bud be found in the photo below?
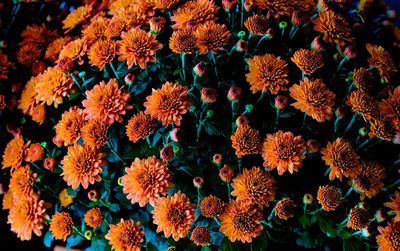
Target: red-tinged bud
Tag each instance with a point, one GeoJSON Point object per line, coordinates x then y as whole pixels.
{"type": "Point", "coordinates": [226, 173]}
{"type": "Point", "coordinates": [234, 93]}
{"type": "Point", "coordinates": [167, 153]}
{"type": "Point", "coordinates": [49, 163]}
{"type": "Point", "coordinates": [281, 102]}
{"type": "Point", "coordinates": [176, 134]}
{"type": "Point", "coordinates": [198, 182]}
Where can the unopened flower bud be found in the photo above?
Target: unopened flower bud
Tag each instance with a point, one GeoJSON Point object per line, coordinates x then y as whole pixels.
{"type": "Point", "coordinates": [308, 198]}
{"type": "Point", "coordinates": [93, 195]}
{"type": "Point", "coordinates": [313, 146]}
{"type": "Point", "coordinates": [157, 24]}
{"type": "Point", "coordinates": [283, 25]}
{"type": "Point", "coordinates": [208, 95]}
{"type": "Point", "coordinates": [167, 153]}
{"type": "Point", "coordinates": [198, 182]}
{"type": "Point", "coordinates": [217, 159]}
{"type": "Point", "coordinates": [226, 173]}
{"type": "Point", "coordinates": [130, 78]}
{"type": "Point", "coordinates": [281, 102]}
{"type": "Point", "coordinates": [363, 132]}
{"type": "Point", "coordinates": [199, 69]}
{"type": "Point", "coordinates": [241, 121]}
{"type": "Point", "coordinates": [176, 134]}
{"type": "Point", "coordinates": [249, 108]}
{"type": "Point", "coordinates": [210, 113]}
{"type": "Point", "coordinates": [241, 46]}
{"type": "Point", "coordinates": [49, 163]}
{"type": "Point", "coordinates": [234, 93]}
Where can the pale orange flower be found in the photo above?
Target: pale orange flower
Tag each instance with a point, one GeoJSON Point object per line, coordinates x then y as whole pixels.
{"type": "Point", "coordinates": [68, 129]}
{"type": "Point", "coordinates": [362, 79]}
{"type": "Point", "coordinates": [114, 27]}
{"type": "Point", "coordinates": [257, 25]}
{"type": "Point", "coordinates": [74, 51]}
{"type": "Point", "coordinates": [39, 113]}
{"type": "Point", "coordinates": [394, 205]}
{"type": "Point", "coordinates": [308, 61]}
{"type": "Point", "coordinates": [65, 198]}
{"type": "Point", "coordinates": [183, 41]}
{"type": "Point", "coordinates": [382, 61]}
{"type": "Point", "coordinates": [275, 8]}
{"type": "Point", "coordinates": [28, 54]}
{"type": "Point", "coordinates": [334, 27]}
{"type": "Point", "coordinates": [106, 102]}
{"type": "Point", "coordinates": [8, 200]}
{"type": "Point", "coordinates": [382, 128]}
{"type": "Point", "coordinates": [39, 35]}
{"type": "Point", "coordinates": [138, 47]}
{"type": "Point", "coordinates": [146, 180]}
{"type": "Point", "coordinates": [164, 5]}
{"type": "Point", "coordinates": [95, 133]}
{"type": "Point", "coordinates": [285, 209]}
{"type": "Point", "coordinates": [389, 238]}
{"type": "Point", "coordinates": [211, 206]}
{"type": "Point", "coordinates": [246, 140]}
{"type": "Point", "coordinates": [93, 217]}
{"type": "Point", "coordinates": [140, 126]}
{"type": "Point", "coordinates": [174, 215]}
{"type": "Point", "coordinates": [168, 103]}
{"type": "Point", "coordinates": [22, 181]}
{"type": "Point", "coordinates": [76, 17]}
{"type": "Point", "coordinates": [363, 104]}
{"type": "Point", "coordinates": [82, 165]}
{"type": "Point", "coordinates": [132, 16]}
{"type": "Point", "coordinates": [55, 47]}
{"type": "Point", "coordinates": [102, 52]}
{"type": "Point", "coordinates": [14, 152]}
{"type": "Point", "coordinates": [61, 226]}
{"type": "Point", "coordinates": [125, 235]}
{"type": "Point", "coordinates": [211, 37]}
{"type": "Point", "coordinates": [95, 30]}
{"type": "Point", "coordinates": [193, 13]}
{"type": "Point", "coordinates": [201, 236]}
{"type": "Point", "coordinates": [358, 218]}
{"type": "Point", "coordinates": [27, 100]}
{"type": "Point", "coordinates": [391, 106]}
{"type": "Point", "coordinates": [34, 152]}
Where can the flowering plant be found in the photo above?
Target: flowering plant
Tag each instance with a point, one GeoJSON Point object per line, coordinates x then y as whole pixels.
{"type": "Point", "coordinates": [166, 124]}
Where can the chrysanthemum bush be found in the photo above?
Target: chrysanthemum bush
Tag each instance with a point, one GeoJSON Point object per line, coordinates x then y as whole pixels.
{"type": "Point", "coordinates": [201, 125]}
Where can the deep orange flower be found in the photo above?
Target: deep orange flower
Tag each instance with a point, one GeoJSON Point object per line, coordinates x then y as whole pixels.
{"type": "Point", "coordinates": [168, 104]}
{"type": "Point", "coordinates": [389, 238]}
{"type": "Point", "coordinates": [132, 16]}
{"type": "Point", "coordinates": [74, 51]}
{"type": "Point", "coordinates": [201, 236]}
{"type": "Point", "coordinates": [211, 206]}
{"type": "Point", "coordinates": [106, 102]}
{"type": "Point", "coordinates": [22, 181]}
{"type": "Point", "coordinates": [65, 198]}
{"type": "Point", "coordinates": [285, 209]}
{"type": "Point", "coordinates": [95, 133]}
{"type": "Point", "coordinates": [8, 200]}
{"type": "Point", "coordinates": [283, 151]}
{"type": "Point", "coordinates": [193, 13]}
{"type": "Point", "coordinates": [125, 235]}
{"type": "Point", "coordinates": [343, 160]}
{"type": "Point", "coordinates": [241, 221]}
{"type": "Point", "coordinates": [14, 152]}
{"type": "Point", "coordinates": [313, 98]}
{"type": "Point", "coordinates": [391, 107]}
{"type": "Point", "coordinates": [93, 217]}
{"type": "Point", "coordinates": [115, 26]}
{"type": "Point", "coordinates": [76, 17]}
{"type": "Point", "coordinates": [363, 104]}
{"type": "Point", "coordinates": [267, 73]}
{"type": "Point", "coordinates": [164, 5]}
{"type": "Point", "coordinates": [183, 41]}
{"type": "Point", "coordinates": [68, 129]}
{"type": "Point", "coordinates": [362, 79]}
{"type": "Point", "coordinates": [27, 101]}
{"type": "Point", "coordinates": [95, 30]}
{"type": "Point", "coordinates": [246, 140]}
{"type": "Point", "coordinates": [275, 8]}
{"type": "Point", "coordinates": [394, 205]}
{"type": "Point", "coordinates": [358, 218]}
{"type": "Point", "coordinates": [174, 215]}
{"type": "Point", "coordinates": [52, 86]}
{"type": "Point", "coordinates": [254, 186]}
{"type": "Point", "coordinates": [82, 165]}
{"type": "Point", "coordinates": [334, 27]}
{"type": "Point", "coordinates": [146, 180]}
{"type": "Point", "coordinates": [329, 197]}
{"type": "Point", "coordinates": [257, 25]}
{"type": "Point", "coordinates": [211, 37]}
{"type": "Point", "coordinates": [138, 47]}
{"type": "Point", "coordinates": [102, 52]}
{"type": "Point", "coordinates": [382, 128]}
{"type": "Point", "coordinates": [117, 5]}
{"type": "Point", "coordinates": [140, 126]}
{"type": "Point", "coordinates": [28, 54]}
{"type": "Point", "coordinates": [370, 181]}
{"type": "Point", "coordinates": [39, 113]}
{"type": "Point", "coordinates": [27, 216]}
{"type": "Point", "coordinates": [61, 226]}
{"type": "Point", "coordinates": [34, 152]}
{"type": "Point", "coordinates": [55, 47]}
{"type": "Point", "coordinates": [157, 24]}
{"type": "Point", "coordinates": [382, 61]}
{"type": "Point", "coordinates": [38, 34]}
{"type": "Point", "coordinates": [4, 66]}
{"type": "Point", "coordinates": [308, 61]}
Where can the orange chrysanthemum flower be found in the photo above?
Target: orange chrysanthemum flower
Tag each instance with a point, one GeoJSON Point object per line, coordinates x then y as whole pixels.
{"type": "Point", "coordinates": [106, 102]}
{"type": "Point", "coordinates": [61, 226]}
{"type": "Point", "coordinates": [391, 107]}
{"type": "Point", "coordinates": [95, 30]}
{"type": "Point", "coordinates": [55, 47]}
{"type": "Point", "coordinates": [370, 181]}
{"type": "Point", "coordinates": [329, 197]}
{"type": "Point", "coordinates": [146, 180]}
{"type": "Point", "coordinates": [257, 25]}
{"type": "Point", "coordinates": [201, 236]}
{"type": "Point", "coordinates": [363, 104]}
{"type": "Point", "coordinates": [4, 66]}
{"type": "Point", "coordinates": [27, 216]}
{"type": "Point", "coordinates": [241, 221]}
{"type": "Point", "coordinates": [313, 98]}
{"type": "Point", "coordinates": [174, 215]}
{"type": "Point", "coordinates": [125, 235]}
{"type": "Point", "coordinates": [37, 34]}
{"type": "Point", "coordinates": [164, 5]}
{"type": "Point", "coordinates": [102, 52]}
{"type": "Point", "coordinates": [382, 61]}
{"type": "Point", "coordinates": [193, 13]}
{"type": "Point", "coordinates": [65, 198]}
{"type": "Point", "coordinates": [14, 152]}
{"type": "Point", "coordinates": [267, 73]}
{"type": "Point", "coordinates": [8, 200]}
{"type": "Point", "coordinates": [68, 129]}
{"type": "Point", "coordinates": [138, 47]}
{"type": "Point", "coordinates": [133, 16]}
{"type": "Point", "coordinates": [28, 54]}
{"type": "Point", "coordinates": [34, 152]}
{"type": "Point", "coordinates": [254, 186]}
{"type": "Point", "coordinates": [52, 86]}
{"type": "Point", "coordinates": [211, 37]}
{"type": "Point", "coordinates": [76, 17]}
{"type": "Point", "coordinates": [358, 218]}
{"type": "Point", "coordinates": [39, 113]}
{"type": "Point", "coordinates": [283, 151]}
{"type": "Point", "coordinates": [140, 126]}
{"type": "Point", "coordinates": [183, 41]}
{"type": "Point", "coordinates": [246, 140]}
{"type": "Point", "coordinates": [362, 79]}
{"type": "Point", "coordinates": [95, 133]}
{"type": "Point", "coordinates": [211, 206]}
{"type": "Point", "coordinates": [382, 128]}
{"type": "Point", "coordinates": [342, 159]}
{"type": "Point", "coordinates": [74, 51]}
{"type": "Point", "coordinates": [168, 104]}
{"type": "Point", "coordinates": [21, 182]}
{"type": "Point", "coordinates": [114, 27]}
{"type": "Point", "coordinates": [389, 238]}
{"type": "Point", "coordinates": [82, 165]}
{"type": "Point", "coordinates": [285, 209]}
{"type": "Point", "coordinates": [334, 27]}
{"type": "Point", "coordinates": [308, 61]}
{"type": "Point", "coordinates": [93, 217]}
{"type": "Point", "coordinates": [28, 95]}
{"type": "Point", "coordinates": [394, 205]}
{"type": "Point", "coordinates": [275, 8]}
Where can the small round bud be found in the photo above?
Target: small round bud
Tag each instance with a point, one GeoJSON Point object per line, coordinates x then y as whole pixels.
{"type": "Point", "coordinates": [58, 141]}
{"type": "Point", "coordinates": [313, 146]}
{"type": "Point", "coordinates": [176, 134]}
{"type": "Point", "coordinates": [241, 34]}
{"type": "Point", "coordinates": [44, 144]}
{"type": "Point", "coordinates": [93, 195]}
{"type": "Point", "coordinates": [88, 234]}
{"type": "Point", "coordinates": [228, 4]}
{"type": "Point", "coordinates": [167, 153]}
{"type": "Point", "coordinates": [210, 113]}
{"type": "Point", "coordinates": [130, 78]}
{"type": "Point", "coordinates": [308, 198]}
{"type": "Point", "coordinates": [22, 120]}
{"type": "Point", "coordinates": [217, 159]}
{"type": "Point", "coordinates": [242, 120]}
{"type": "Point", "coordinates": [16, 87]}
{"type": "Point", "coordinates": [363, 132]}
{"type": "Point", "coordinates": [226, 173]}
{"type": "Point", "coordinates": [283, 25]}
{"type": "Point", "coordinates": [192, 108]}
{"type": "Point", "coordinates": [241, 46]}
{"type": "Point", "coordinates": [199, 69]}
{"type": "Point", "coordinates": [82, 74]}
{"type": "Point", "coordinates": [157, 24]}
{"type": "Point", "coordinates": [49, 163]}
{"type": "Point", "coordinates": [234, 93]}
{"type": "Point", "coordinates": [339, 112]}
{"type": "Point", "coordinates": [198, 182]}
{"type": "Point", "coordinates": [318, 44]}
{"type": "Point", "coordinates": [120, 181]}
{"type": "Point", "coordinates": [208, 95]}
{"type": "Point", "coordinates": [249, 108]}
{"type": "Point", "coordinates": [281, 102]}
{"type": "Point", "coordinates": [350, 53]}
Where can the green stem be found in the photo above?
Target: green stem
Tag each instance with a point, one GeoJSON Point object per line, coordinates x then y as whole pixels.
{"type": "Point", "coordinates": [391, 185]}
{"type": "Point", "coordinates": [241, 14]}
{"type": "Point", "coordinates": [214, 64]}
{"type": "Point", "coordinates": [364, 143]}
{"type": "Point", "coordinates": [278, 113]}
{"type": "Point", "coordinates": [261, 97]}
{"type": "Point", "coordinates": [116, 153]}
{"type": "Point", "coordinates": [76, 82]}
{"type": "Point", "coordinates": [336, 125]}
{"type": "Point", "coordinates": [304, 121]}
{"type": "Point", "coordinates": [353, 119]}
{"type": "Point", "coordinates": [183, 66]}
{"type": "Point", "coordinates": [229, 190]}
{"type": "Point", "coordinates": [114, 71]}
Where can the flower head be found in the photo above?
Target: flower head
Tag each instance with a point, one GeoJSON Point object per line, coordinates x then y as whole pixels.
{"type": "Point", "coordinates": [157, 24]}
{"type": "Point", "coordinates": [146, 180]}
{"type": "Point", "coordinates": [174, 215]}
{"type": "Point", "coordinates": [140, 126]}
{"type": "Point", "coordinates": [284, 151]}
{"type": "Point", "coordinates": [8, 200]}
{"type": "Point", "coordinates": [257, 25]}
{"type": "Point", "coordinates": [55, 47]}
{"type": "Point", "coordinates": [61, 226]}
{"type": "Point", "coordinates": [125, 235]}
{"type": "Point", "coordinates": [28, 54]}
{"type": "Point", "coordinates": [246, 140]}
{"type": "Point", "coordinates": [285, 209]}
{"type": "Point", "coordinates": [168, 104]}
{"type": "Point", "coordinates": [193, 13]}
{"type": "Point", "coordinates": [82, 165]}
{"type": "Point", "coordinates": [241, 221]}
{"type": "Point", "coordinates": [102, 52]}
{"type": "Point", "coordinates": [95, 133]}
{"type": "Point", "coordinates": [362, 79]}
{"type": "Point", "coordinates": [65, 198]}
{"type": "Point", "coordinates": [226, 173]}
{"type": "Point", "coordinates": [370, 181]}
{"type": "Point", "coordinates": [363, 104]}
{"type": "Point", "coordinates": [95, 30]}
{"type": "Point", "coordinates": [308, 61]}
{"type": "Point", "coordinates": [68, 129]}
{"type": "Point", "coordinates": [389, 238]}
{"type": "Point", "coordinates": [275, 8]}
{"type": "Point", "coordinates": [201, 236]}
{"type": "Point", "coordinates": [267, 74]}
{"type": "Point", "coordinates": [49, 163]}
{"type": "Point", "coordinates": [208, 95]}
{"type": "Point", "coordinates": [391, 106]}
{"type": "Point", "coordinates": [313, 98]}
{"type": "Point", "coordinates": [93, 217]}
{"type": "Point", "coordinates": [254, 186]}
{"type": "Point", "coordinates": [138, 47]}
{"type": "Point", "coordinates": [34, 152]}
{"type": "Point", "coordinates": [183, 41]}
{"type": "Point", "coordinates": [342, 159]}
{"type": "Point", "coordinates": [14, 152]}
{"type": "Point", "coordinates": [211, 37]}
{"type": "Point", "coordinates": [358, 218]}
{"type": "Point", "coordinates": [394, 205]}
{"type": "Point", "coordinates": [76, 17]}
{"type": "Point", "coordinates": [334, 27]}
{"type": "Point", "coordinates": [106, 102]}
{"type": "Point", "coordinates": [73, 51]}
{"type": "Point", "coordinates": [22, 181]}
{"type": "Point", "coordinates": [211, 206]}
{"type": "Point", "coordinates": [164, 5]}
{"type": "Point", "coordinates": [4, 66]}
{"type": "Point", "coordinates": [382, 61]}
{"type": "Point", "coordinates": [382, 128]}
{"type": "Point", "coordinates": [329, 197]}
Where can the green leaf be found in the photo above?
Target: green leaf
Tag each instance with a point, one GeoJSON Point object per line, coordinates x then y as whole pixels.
{"type": "Point", "coordinates": [261, 242]}
{"type": "Point", "coordinates": [305, 220]}
{"type": "Point", "coordinates": [48, 239]}
{"type": "Point", "coordinates": [206, 249]}
{"type": "Point", "coordinates": [345, 234]}
{"type": "Point", "coordinates": [74, 95]}
{"type": "Point", "coordinates": [227, 245]}
{"type": "Point", "coordinates": [352, 245]}
{"type": "Point", "coordinates": [74, 240]}
{"type": "Point", "coordinates": [279, 236]}
{"type": "Point", "coordinates": [327, 227]}
{"type": "Point", "coordinates": [114, 207]}
{"type": "Point", "coordinates": [98, 244]}
{"type": "Point", "coordinates": [305, 240]}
